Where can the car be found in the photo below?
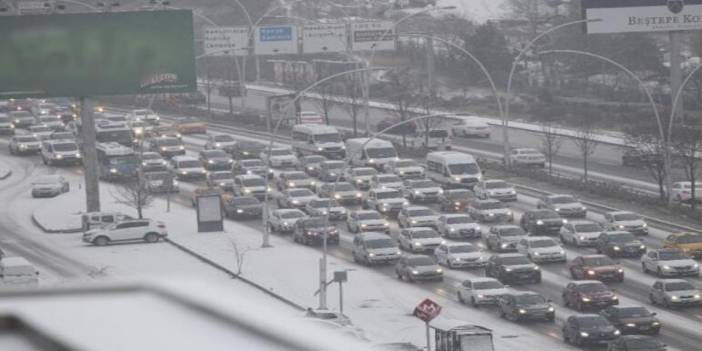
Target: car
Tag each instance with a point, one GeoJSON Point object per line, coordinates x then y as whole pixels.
{"type": "Point", "coordinates": [190, 125]}
{"type": "Point", "coordinates": [49, 185]}
{"type": "Point", "coordinates": [21, 119]}
{"type": "Point", "coordinates": [596, 267]}
{"type": "Point", "coordinates": [279, 157]}
{"type": "Point", "coordinates": [682, 192]}
{"type": "Point", "coordinates": [511, 268]}
{"type": "Point", "coordinates": [331, 171]}
{"type": "Point", "coordinates": [215, 160]}
{"type": "Point", "coordinates": [146, 230]}
{"type": "Point", "coordinates": [310, 164]}
{"type": "Point", "coordinates": [588, 329]}
{"type": "Point", "coordinates": [566, 206]}
{"type": "Point", "coordinates": [43, 108]}
{"type": "Point", "coordinates": [495, 189]}
{"type": "Point", "coordinates": [222, 179]}
{"type": "Point", "coordinates": [325, 207]}
{"type": "Point", "coordinates": [374, 248]}
{"type": "Point", "coordinates": [620, 244]}
{"type": "Point", "coordinates": [669, 262]}
{"type": "Point", "coordinates": [419, 239]}
{"type": "Point", "coordinates": [152, 162]}
{"type": "Point", "coordinates": [588, 294]}
{"type": "Point", "coordinates": [632, 320]}
{"type": "Point", "coordinates": [313, 230]}
{"type": "Point", "coordinates": [386, 201]}
{"type": "Point", "coordinates": [60, 152]}
{"type": "Point", "coordinates": [246, 149]}
{"type": "Point", "coordinates": [470, 127]}
{"type": "Point", "coordinates": [525, 305]}
{"type": "Point", "coordinates": [481, 291]}
{"type": "Point", "coordinates": [6, 126]}
{"type": "Point", "coordinates": [460, 255]}
{"type": "Point", "coordinates": [141, 129]}
{"type": "Point", "coordinates": [187, 167]}
{"type": "Point", "coordinates": [689, 242]}
{"type": "Point", "coordinates": [24, 145]}
{"type": "Point", "coordinates": [224, 142]}
{"type": "Point", "coordinates": [418, 268]}
{"type": "Point", "coordinates": [360, 176]}
{"type": "Point", "coordinates": [343, 192]}
{"type": "Point", "coordinates": [627, 221]}
{"type": "Point", "coordinates": [404, 168]}
{"type": "Point", "coordinates": [367, 221]}
{"type": "Point", "coordinates": [161, 182]}
{"type": "Point", "coordinates": [294, 179]}
{"type": "Point", "coordinates": [527, 157]}
{"type": "Point", "coordinates": [674, 293]}
{"type": "Point", "coordinates": [636, 343]}
{"type": "Point", "coordinates": [208, 191]}
{"type": "Point", "coordinates": [422, 190]}
{"type": "Point", "coordinates": [166, 146]}
{"type": "Point", "coordinates": [40, 131]}
{"type": "Point", "coordinates": [386, 181]}
{"type": "Point", "coordinates": [249, 184]}
{"type": "Point", "coordinates": [417, 216]}
{"type": "Point", "coordinates": [542, 222]}
{"type": "Point", "coordinates": [632, 157]}
{"type": "Point", "coordinates": [243, 207]}
{"type": "Point", "coordinates": [283, 220]}
{"type": "Point", "coordinates": [458, 226]}
{"type": "Point", "coordinates": [252, 166]}
{"type": "Point", "coordinates": [490, 211]}
{"type": "Point", "coordinates": [295, 198]}
{"type": "Point", "coordinates": [166, 132]}
{"type": "Point", "coordinates": [52, 122]}
{"type": "Point", "coordinates": [61, 135]}
{"type": "Point", "coordinates": [145, 115]}
{"type": "Point", "coordinates": [504, 238]}
{"type": "Point", "coordinates": [580, 233]}
{"type": "Point", "coordinates": [454, 200]}
{"type": "Point", "coordinates": [540, 249]}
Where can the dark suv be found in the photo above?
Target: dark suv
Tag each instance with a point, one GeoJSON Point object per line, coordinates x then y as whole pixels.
{"type": "Point", "coordinates": [632, 320]}
{"type": "Point", "coordinates": [542, 222]}
{"type": "Point", "coordinates": [311, 231]}
{"type": "Point", "coordinates": [525, 305]}
{"type": "Point", "coordinates": [588, 294]}
{"type": "Point", "coordinates": [599, 267]}
{"type": "Point", "coordinates": [584, 329]}
{"type": "Point", "coordinates": [620, 244]}
{"type": "Point", "coordinates": [512, 268]}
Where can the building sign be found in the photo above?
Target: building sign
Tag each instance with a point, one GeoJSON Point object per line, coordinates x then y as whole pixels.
{"type": "Point", "coordinates": [226, 41]}
{"type": "Point", "coordinates": [318, 38]}
{"type": "Point", "coordinates": [373, 36]}
{"type": "Point", "coordinates": [276, 40]}
{"type": "Point", "coordinates": [625, 16]}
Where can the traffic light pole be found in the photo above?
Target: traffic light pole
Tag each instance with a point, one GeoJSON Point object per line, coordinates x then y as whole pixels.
{"type": "Point", "coordinates": [87, 126]}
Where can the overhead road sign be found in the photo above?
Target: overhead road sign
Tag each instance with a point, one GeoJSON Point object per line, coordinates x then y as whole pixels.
{"type": "Point", "coordinates": [373, 36]}
{"type": "Point", "coordinates": [319, 38]}
{"type": "Point", "coordinates": [626, 16]}
{"type": "Point", "coordinates": [276, 40]}
{"type": "Point", "coordinates": [229, 41]}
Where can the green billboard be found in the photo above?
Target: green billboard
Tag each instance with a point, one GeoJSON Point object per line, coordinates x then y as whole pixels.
{"type": "Point", "coordinates": [118, 53]}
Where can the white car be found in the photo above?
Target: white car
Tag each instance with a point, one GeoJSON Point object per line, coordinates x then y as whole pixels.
{"type": "Point", "coordinates": [296, 198]}
{"type": "Point", "coordinates": [471, 128]}
{"type": "Point", "coordinates": [385, 181]}
{"type": "Point", "coordinates": [60, 152]}
{"type": "Point", "coordinates": [527, 157]}
{"type": "Point", "coordinates": [385, 201]}
{"type": "Point", "coordinates": [541, 249]}
{"type": "Point", "coordinates": [682, 191]}
{"type": "Point", "coordinates": [417, 216]}
{"type": "Point", "coordinates": [669, 262]}
{"type": "Point", "coordinates": [674, 292]}
{"type": "Point", "coordinates": [343, 192]}
{"type": "Point", "coordinates": [41, 131]}
{"type": "Point", "coordinates": [152, 161]}
{"type": "Point", "coordinates": [360, 176]}
{"type": "Point", "coordinates": [580, 233]}
{"type": "Point", "coordinates": [187, 167]}
{"type": "Point", "coordinates": [495, 189]}
{"type": "Point", "coordinates": [405, 168]}
{"type": "Point", "coordinates": [419, 239]}
{"type": "Point", "coordinates": [566, 205]}
{"type": "Point", "coordinates": [144, 115]}
{"type": "Point", "coordinates": [220, 141]}
{"type": "Point", "coordinates": [422, 190]}
{"type": "Point", "coordinates": [221, 179]}
{"type": "Point", "coordinates": [280, 157]}
{"type": "Point", "coordinates": [295, 179]}
{"type": "Point", "coordinates": [481, 291]}
{"type": "Point", "coordinates": [49, 186]}
{"type": "Point", "coordinates": [127, 230]}
{"type": "Point", "coordinates": [319, 207]}
{"type": "Point", "coordinates": [367, 221]}
{"type": "Point", "coordinates": [460, 255]}
{"type": "Point", "coordinates": [459, 226]}
{"type": "Point", "coordinates": [52, 121]}
{"type": "Point", "coordinates": [627, 221]}
{"type": "Point", "coordinates": [283, 220]}
{"type": "Point", "coordinates": [251, 185]}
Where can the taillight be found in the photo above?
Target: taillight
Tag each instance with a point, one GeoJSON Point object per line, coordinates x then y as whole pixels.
{"type": "Point", "coordinates": [161, 226]}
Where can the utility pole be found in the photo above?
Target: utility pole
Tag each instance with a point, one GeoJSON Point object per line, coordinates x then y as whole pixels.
{"type": "Point", "coordinates": [679, 112]}
{"type": "Point", "coordinates": [92, 185]}
{"type": "Point", "coordinates": [429, 43]}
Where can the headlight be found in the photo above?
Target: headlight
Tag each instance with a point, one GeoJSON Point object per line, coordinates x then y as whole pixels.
{"type": "Point", "coordinates": [642, 247]}
{"type": "Point", "coordinates": [441, 191]}
{"type": "Point", "coordinates": [458, 179]}
{"type": "Point", "coordinates": [583, 208]}
{"type": "Point", "coordinates": [313, 183]}
{"type": "Point", "coordinates": [666, 267]}
{"type": "Point", "coordinates": [674, 298]}
{"type": "Point", "coordinates": [416, 192]}
{"type": "Point", "coordinates": [631, 325]}
{"type": "Point", "coordinates": [620, 270]}
{"type": "Point", "coordinates": [536, 268]}
{"type": "Point", "coordinates": [644, 225]}
{"type": "Point", "coordinates": [584, 334]}
{"type": "Point", "coordinates": [551, 309]}
{"type": "Point", "coordinates": [163, 149]}
{"type": "Point", "coordinates": [59, 156]}
{"type": "Point", "coordinates": [615, 297]}
{"type": "Point", "coordinates": [457, 203]}
{"type": "Point", "coordinates": [113, 170]}
{"type": "Point", "coordinates": [417, 244]}
{"type": "Point", "coordinates": [414, 222]}
{"type": "Point", "coordinates": [239, 211]}
{"type": "Point", "coordinates": [562, 252]}
{"type": "Point", "coordinates": [222, 184]}
{"type": "Point", "coordinates": [452, 229]}
{"type": "Point", "coordinates": [359, 195]}
{"type": "Point", "coordinates": [371, 161]}
{"type": "Point", "coordinates": [337, 196]}
{"type": "Point", "coordinates": [557, 209]}
{"type": "Point", "coordinates": [406, 203]}
{"type": "Point", "coordinates": [697, 296]}
{"type": "Point", "coordinates": [536, 254]}
{"type": "Point", "coordinates": [415, 272]}
{"type": "Point", "coordinates": [585, 299]}
{"type": "Point", "coordinates": [582, 238]}
{"type": "Point", "coordinates": [507, 269]}
{"type": "Point", "coordinates": [319, 149]}
{"type": "Point", "coordinates": [291, 183]}
{"type": "Point", "coordinates": [504, 246]}
{"type": "Point", "coordinates": [616, 248]}
{"type": "Point", "coordinates": [655, 324]}
{"type": "Point", "coordinates": [565, 221]}
{"type": "Point", "coordinates": [183, 172]}
{"type": "Point", "coordinates": [621, 226]}
{"type": "Point", "coordinates": [439, 270]}
{"type": "Point", "coordinates": [310, 168]}
{"type": "Point", "coordinates": [443, 242]}
{"type": "Point", "coordinates": [539, 222]}
{"type": "Point", "coordinates": [295, 202]}
{"type": "Point", "coordinates": [78, 154]}
{"type": "Point", "coordinates": [210, 161]}
{"type": "Point", "coordinates": [182, 147]}
{"type": "Point", "coordinates": [695, 266]}
{"type": "Point", "coordinates": [522, 311]}
{"type": "Point", "coordinates": [248, 191]}
{"type": "Point", "coordinates": [143, 163]}
{"type": "Point", "coordinates": [591, 272]}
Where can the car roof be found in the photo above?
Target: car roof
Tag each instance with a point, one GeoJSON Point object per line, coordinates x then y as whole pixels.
{"type": "Point", "coordinates": [523, 293]}
{"type": "Point", "coordinates": [456, 244]}
{"type": "Point", "coordinates": [416, 256]}
{"type": "Point", "coordinates": [286, 173]}
{"type": "Point", "coordinates": [487, 201]}
{"type": "Point", "coordinates": [593, 256]}
{"type": "Point", "coordinates": [621, 212]}
{"type": "Point", "coordinates": [615, 232]}
{"type": "Point", "coordinates": [525, 149]}
{"type": "Point", "coordinates": [220, 172]}
{"type": "Point", "coordinates": [482, 279]}
{"type": "Point", "coordinates": [287, 210]}
{"type": "Point", "coordinates": [534, 238]}
{"type": "Point", "coordinates": [373, 235]}
{"type": "Point", "coordinates": [386, 175]}
{"type": "Point", "coordinates": [416, 229]}
{"type": "Point", "coordinates": [550, 196]}
{"type": "Point", "coordinates": [667, 281]}
{"type": "Point", "coordinates": [365, 211]}
{"type": "Point", "coordinates": [511, 254]}
{"type": "Point", "coordinates": [494, 181]}
{"type": "Point", "coordinates": [586, 282]}
{"type": "Point", "coordinates": [505, 226]}
{"type": "Point", "coordinates": [582, 221]}
{"type": "Point", "coordinates": [411, 208]}
{"type": "Point", "coordinates": [385, 190]}
{"type": "Point", "coordinates": [248, 176]}
{"type": "Point", "coordinates": [184, 158]}
{"type": "Point", "coordinates": [455, 215]}
{"type": "Point", "coordinates": [585, 315]}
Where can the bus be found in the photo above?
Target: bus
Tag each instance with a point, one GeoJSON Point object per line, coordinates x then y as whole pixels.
{"type": "Point", "coordinates": [117, 132]}
{"type": "Point", "coordinates": [116, 161]}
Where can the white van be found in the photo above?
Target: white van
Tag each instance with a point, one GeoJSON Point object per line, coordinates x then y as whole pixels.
{"type": "Point", "coordinates": [374, 153]}
{"type": "Point", "coordinates": [453, 169]}
{"type": "Point", "coordinates": [310, 139]}
{"type": "Point", "coordinates": [468, 126]}
{"type": "Point", "coordinates": [438, 139]}
{"type": "Point", "coordinates": [17, 271]}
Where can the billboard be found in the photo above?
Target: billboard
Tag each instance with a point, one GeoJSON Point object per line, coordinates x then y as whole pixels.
{"type": "Point", "coordinates": [276, 40]}
{"type": "Point", "coordinates": [92, 54]}
{"type": "Point", "coordinates": [626, 16]}
{"type": "Point", "coordinates": [372, 36]}
{"type": "Point", "coordinates": [226, 41]}
{"type": "Point", "coordinates": [317, 38]}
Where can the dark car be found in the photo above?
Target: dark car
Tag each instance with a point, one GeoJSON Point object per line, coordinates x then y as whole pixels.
{"type": "Point", "coordinates": [310, 164]}
{"type": "Point", "coordinates": [632, 320]}
{"type": "Point", "coordinates": [504, 238]}
{"type": "Point", "coordinates": [620, 244]}
{"type": "Point", "coordinates": [454, 200]}
{"type": "Point", "coordinates": [636, 343]}
{"type": "Point", "coordinates": [240, 207]}
{"type": "Point", "coordinates": [587, 329]}
{"type": "Point", "coordinates": [596, 267]}
{"type": "Point", "coordinates": [247, 149]}
{"type": "Point", "coordinates": [525, 305]}
{"type": "Point", "coordinates": [542, 222]}
{"type": "Point", "coordinates": [512, 268]}
{"type": "Point", "coordinates": [310, 231]}
{"type": "Point", "coordinates": [588, 294]}
{"type": "Point", "coordinates": [215, 160]}
{"type": "Point", "coordinates": [418, 267]}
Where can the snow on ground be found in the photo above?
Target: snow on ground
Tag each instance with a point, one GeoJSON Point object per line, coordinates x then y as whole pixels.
{"type": "Point", "coordinates": [477, 10]}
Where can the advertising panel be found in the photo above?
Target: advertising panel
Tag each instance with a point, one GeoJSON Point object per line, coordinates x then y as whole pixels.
{"type": "Point", "coordinates": [626, 16]}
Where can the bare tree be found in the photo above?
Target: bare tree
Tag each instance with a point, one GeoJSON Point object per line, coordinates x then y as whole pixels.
{"type": "Point", "coordinates": [239, 256]}
{"type": "Point", "coordinates": [585, 142]}
{"type": "Point", "coordinates": [551, 143]}
{"type": "Point", "coordinates": [401, 91]}
{"type": "Point", "coordinates": [352, 97]}
{"type": "Point", "coordinates": [326, 100]}
{"type": "Point", "coordinates": [134, 193]}
{"type": "Point", "coordinates": [644, 139]}
{"type": "Point", "coordinates": [687, 143]}
{"type": "Point", "coordinates": [428, 99]}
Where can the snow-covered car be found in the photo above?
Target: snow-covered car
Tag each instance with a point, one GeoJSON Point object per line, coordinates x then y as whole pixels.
{"type": "Point", "coordinates": [224, 142]}
{"type": "Point", "coordinates": [6, 126]}
{"type": "Point", "coordinates": [405, 168]}
{"type": "Point", "coordinates": [21, 119]}
{"type": "Point", "coordinates": [295, 198]}
{"type": "Point", "coordinates": [527, 157]}
{"type": "Point", "coordinates": [62, 152]}
{"type": "Point", "coordinates": [567, 206]}
{"type": "Point", "coordinates": [216, 160]}
{"type": "Point", "coordinates": [495, 189]}
{"type": "Point", "coordinates": [49, 185]}
{"type": "Point", "coordinates": [331, 171]}
{"type": "Point", "coordinates": [161, 182]}
{"type": "Point", "coordinates": [310, 164]}
{"type": "Point", "coordinates": [419, 239]}
{"type": "Point", "coordinates": [166, 146]}
{"type": "Point", "coordinates": [422, 190]}
{"type": "Point", "coordinates": [62, 135]}
{"type": "Point", "coordinates": [343, 192]}
{"type": "Point", "coordinates": [40, 131]}
{"type": "Point", "coordinates": [682, 191]}
{"type": "Point", "coordinates": [490, 210]}
{"type": "Point", "coordinates": [43, 108]}
{"type": "Point", "coordinates": [674, 292]}
{"type": "Point", "coordinates": [454, 200]}
{"type": "Point", "coordinates": [145, 115]}
{"type": "Point", "coordinates": [324, 207]}
{"type": "Point", "coordinates": [458, 226]}
{"type": "Point", "coordinates": [252, 166]}
{"type": "Point", "coordinates": [187, 167]}
{"type": "Point", "coordinates": [51, 121]}
{"type": "Point", "coordinates": [669, 262]}
{"type": "Point", "coordinates": [481, 291]}
{"type": "Point", "coordinates": [417, 216]}
{"type": "Point", "coordinates": [294, 179]}
{"type": "Point", "coordinates": [387, 181]}
{"type": "Point", "coordinates": [374, 248]}
{"type": "Point", "coordinates": [152, 161]}
{"type": "Point", "coordinates": [24, 145]}
{"type": "Point", "coordinates": [146, 230]}
{"type": "Point", "coordinates": [283, 220]}
{"type": "Point", "coordinates": [222, 179]}
{"type": "Point", "coordinates": [418, 267]}
{"type": "Point", "coordinates": [460, 255]}
{"type": "Point", "coordinates": [580, 233]}
{"type": "Point", "coordinates": [249, 184]}
{"type": "Point", "coordinates": [280, 157]}
{"type": "Point", "coordinates": [367, 221]}
{"type": "Point", "coordinates": [360, 176]}
{"type": "Point", "coordinates": [385, 201]}
{"type": "Point", "coordinates": [504, 238]}
{"type": "Point", "coordinates": [541, 249]}
{"type": "Point", "coordinates": [627, 221]}
{"type": "Point", "coordinates": [471, 127]}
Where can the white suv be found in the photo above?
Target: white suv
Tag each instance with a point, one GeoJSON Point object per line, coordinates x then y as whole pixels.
{"type": "Point", "coordinates": [527, 157]}
{"type": "Point", "coordinates": [60, 152]}
{"type": "Point", "coordinates": [128, 230]}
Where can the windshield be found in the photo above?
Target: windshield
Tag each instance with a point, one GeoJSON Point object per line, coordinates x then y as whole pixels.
{"type": "Point", "coordinates": [671, 255]}
{"type": "Point", "coordinates": [496, 185]}
{"type": "Point", "coordinates": [423, 184]}
{"type": "Point", "coordinates": [492, 284]}
{"type": "Point", "coordinates": [142, 112]}
{"type": "Point", "coordinates": [365, 172]}
{"type": "Point", "coordinates": [424, 234]}
{"type": "Point", "coordinates": [459, 220]}
{"type": "Point", "coordinates": [383, 152]}
{"type": "Point", "coordinates": [221, 175]}
{"type": "Point", "coordinates": [420, 261]}
{"type": "Point", "coordinates": [458, 194]}
{"type": "Point", "coordinates": [150, 156]}
{"type": "Point", "coordinates": [27, 139]}
{"type": "Point", "coordinates": [464, 168]}
{"type": "Point", "coordinates": [512, 231]}
{"type": "Point", "coordinates": [633, 312]}
{"type": "Point", "coordinates": [490, 205]}
{"type": "Point", "coordinates": [46, 180]}
{"type": "Point", "coordinates": [515, 260]}
{"type": "Point", "coordinates": [380, 243]}
{"type": "Point", "coordinates": [626, 217]}
{"type": "Point", "coordinates": [296, 176]}
{"type": "Point", "coordinates": [124, 160]}
{"type": "Point", "coordinates": [344, 187]}
{"type": "Point", "coordinates": [542, 243]}
{"type": "Point", "coordinates": [622, 237]}
{"type": "Point", "coordinates": [406, 163]}
{"type": "Point", "coordinates": [598, 261]}
{"type": "Point", "coordinates": [189, 164]}
{"type": "Point", "coordinates": [389, 179]}
{"type": "Point", "coordinates": [389, 194]}
{"type": "Point", "coordinates": [245, 201]}
{"type": "Point", "coordinates": [253, 182]}
{"type": "Point", "coordinates": [593, 322]}
{"type": "Point", "coordinates": [292, 214]}
{"type": "Point", "coordinates": [588, 228]}
{"type": "Point", "coordinates": [438, 133]}
{"type": "Point", "coordinates": [365, 216]}
{"type": "Point", "coordinates": [546, 215]}
{"type": "Point", "coordinates": [281, 152]}
{"type": "Point", "coordinates": [591, 288]}
{"type": "Point", "coordinates": [41, 129]}
{"type": "Point", "coordinates": [328, 138]}
{"type": "Point", "coordinates": [679, 286]}
{"type": "Point", "coordinates": [562, 199]}
{"type": "Point", "coordinates": [323, 203]}
{"type": "Point", "coordinates": [157, 175]}
{"type": "Point", "coordinates": [333, 165]}
{"type": "Point", "coordinates": [300, 192]}
{"type": "Point", "coordinates": [314, 159]}
{"type": "Point", "coordinates": [530, 299]}
{"type": "Point", "coordinates": [65, 147]}
{"type": "Point", "coordinates": [215, 154]}
{"type": "Point", "coordinates": [223, 138]}
{"type": "Point", "coordinates": [168, 142]}
{"type": "Point", "coordinates": [252, 163]}
{"type": "Point", "coordinates": [420, 213]}
{"type": "Point", "coordinates": [643, 344]}
{"type": "Point", "coordinates": [463, 249]}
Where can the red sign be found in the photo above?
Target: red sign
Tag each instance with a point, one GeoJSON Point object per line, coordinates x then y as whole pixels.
{"type": "Point", "coordinates": [427, 310]}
